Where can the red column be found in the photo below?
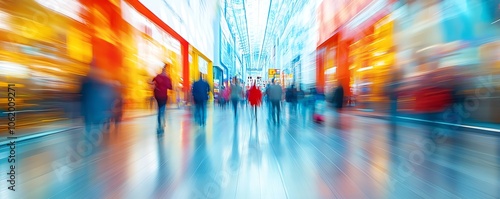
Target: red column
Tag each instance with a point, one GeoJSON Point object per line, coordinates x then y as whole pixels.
{"type": "Point", "coordinates": [320, 69]}
{"type": "Point", "coordinates": [343, 72]}
{"type": "Point", "coordinates": [105, 16]}
{"type": "Point", "coordinates": [185, 66]}
{"type": "Point", "coordinates": [115, 58]}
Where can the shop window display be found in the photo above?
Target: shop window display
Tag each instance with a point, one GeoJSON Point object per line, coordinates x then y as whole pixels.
{"type": "Point", "coordinates": [148, 48]}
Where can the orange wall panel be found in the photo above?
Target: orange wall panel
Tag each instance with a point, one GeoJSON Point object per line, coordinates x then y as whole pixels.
{"type": "Point", "coordinates": [104, 20]}
{"type": "Point", "coordinates": [343, 72]}
{"type": "Point", "coordinates": [185, 64]}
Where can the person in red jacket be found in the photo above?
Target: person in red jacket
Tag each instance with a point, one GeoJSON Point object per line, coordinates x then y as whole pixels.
{"type": "Point", "coordinates": [255, 98]}
{"type": "Point", "coordinates": [162, 84]}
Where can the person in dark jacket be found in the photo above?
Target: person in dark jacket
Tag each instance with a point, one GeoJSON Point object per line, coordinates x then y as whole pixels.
{"type": "Point", "coordinates": [274, 94]}
{"type": "Point", "coordinates": [118, 103]}
{"type": "Point", "coordinates": [301, 100]}
{"type": "Point", "coordinates": [236, 94]}
{"type": "Point", "coordinates": [200, 92]}
{"type": "Point", "coordinates": [392, 91]}
{"type": "Point", "coordinates": [291, 98]}
{"type": "Point", "coordinates": [338, 98]}
{"type": "Point", "coordinates": [97, 97]}
{"type": "Point", "coordinates": [338, 104]}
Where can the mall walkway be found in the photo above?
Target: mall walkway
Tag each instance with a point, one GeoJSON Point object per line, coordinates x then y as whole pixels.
{"type": "Point", "coordinates": [357, 157]}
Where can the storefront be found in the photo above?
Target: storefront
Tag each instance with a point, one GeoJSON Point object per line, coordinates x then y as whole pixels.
{"type": "Point", "coordinates": [48, 46]}
{"type": "Point", "coordinates": [356, 52]}
{"type": "Point", "coordinates": [274, 74]}
{"type": "Point", "coordinates": [44, 51]}
{"type": "Point", "coordinates": [286, 77]}
{"type": "Point", "coordinates": [146, 49]}
{"type": "Point", "coordinates": [451, 48]}
{"type": "Point", "coordinates": [189, 62]}
{"type": "Point", "coordinates": [330, 68]}
{"type": "Point", "coordinates": [371, 63]}
{"type": "Point", "coordinates": [200, 65]}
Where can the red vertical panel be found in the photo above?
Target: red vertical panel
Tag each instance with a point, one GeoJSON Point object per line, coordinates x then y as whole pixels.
{"type": "Point", "coordinates": [115, 18]}
{"type": "Point", "coordinates": [115, 60]}
{"type": "Point", "coordinates": [105, 54]}
{"type": "Point", "coordinates": [185, 66]}
{"type": "Point", "coordinates": [99, 46]}
{"type": "Point", "coordinates": [116, 54]}
{"type": "Point", "coordinates": [343, 72]}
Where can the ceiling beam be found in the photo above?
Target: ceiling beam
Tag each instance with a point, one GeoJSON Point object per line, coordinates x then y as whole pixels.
{"type": "Point", "coordinates": [265, 32]}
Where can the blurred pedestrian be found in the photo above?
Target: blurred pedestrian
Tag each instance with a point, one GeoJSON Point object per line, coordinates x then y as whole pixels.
{"type": "Point", "coordinates": [275, 93]}
{"type": "Point", "coordinates": [317, 105]}
{"type": "Point", "coordinates": [220, 97]}
{"type": "Point", "coordinates": [151, 99]}
{"type": "Point", "coordinates": [200, 92]}
{"type": "Point", "coordinates": [236, 95]}
{"type": "Point", "coordinates": [118, 103]}
{"type": "Point", "coordinates": [338, 99]}
{"type": "Point", "coordinates": [268, 102]}
{"type": "Point", "coordinates": [291, 98]}
{"type": "Point", "coordinates": [226, 96]}
{"type": "Point", "coordinates": [178, 97]}
{"type": "Point", "coordinates": [255, 98]}
{"type": "Point", "coordinates": [301, 100]}
{"type": "Point", "coordinates": [392, 91]}
{"type": "Point", "coordinates": [96, 99]}
{"type": "Point", "coordinates": [162, 83]}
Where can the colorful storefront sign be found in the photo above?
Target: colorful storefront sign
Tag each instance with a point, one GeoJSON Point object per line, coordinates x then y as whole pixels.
{"type": "Point", "coordinates": [273, 72]}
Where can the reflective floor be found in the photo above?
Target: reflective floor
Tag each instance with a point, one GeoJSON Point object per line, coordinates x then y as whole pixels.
{"type": "Point", "coordinates": [348, 157]}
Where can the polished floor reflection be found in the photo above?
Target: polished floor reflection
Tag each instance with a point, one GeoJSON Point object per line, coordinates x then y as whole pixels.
{"type": "Point", "coordinates": [348, 157]}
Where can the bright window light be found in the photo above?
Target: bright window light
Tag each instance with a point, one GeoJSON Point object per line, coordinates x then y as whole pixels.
{"type": "Point", "coordinates": [365, 68]}
{"type": "Point", "coordinates": [69, 8]}
{"type": "Point", "coordinates": [13, 69]}
{"type": "Point", "coordinates": [331, 71]}
{"type": "Point", "coordinates": [4, 20]}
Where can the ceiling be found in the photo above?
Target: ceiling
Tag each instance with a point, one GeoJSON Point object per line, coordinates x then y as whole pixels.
{"type": "Point", "coordinates": [256, 25]}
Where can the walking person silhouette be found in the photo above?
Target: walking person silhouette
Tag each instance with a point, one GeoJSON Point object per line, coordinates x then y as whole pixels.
{"type": "Point", "coordinates": [255, 98]}
{"type": "Point", "coordinates": [162, 83]}
{"type": "Point", "coordinates": [200, 92]}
